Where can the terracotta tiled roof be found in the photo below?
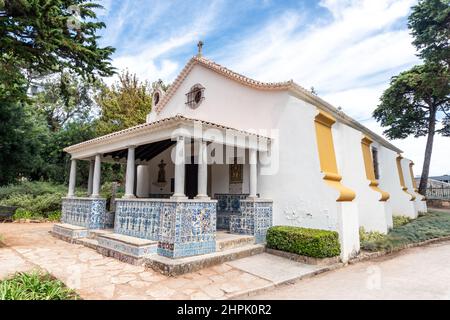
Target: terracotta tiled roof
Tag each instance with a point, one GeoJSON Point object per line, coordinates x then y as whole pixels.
{"type": "Point", "coordinates": [290, 85]}
{"type": "Point", "coordinates": [223, 71]}
{"type": "Point", "coordinates": [136, 130]}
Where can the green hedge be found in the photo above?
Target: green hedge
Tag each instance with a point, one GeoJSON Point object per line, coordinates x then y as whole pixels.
{"type": "Point", "coordinates": [306, 242]}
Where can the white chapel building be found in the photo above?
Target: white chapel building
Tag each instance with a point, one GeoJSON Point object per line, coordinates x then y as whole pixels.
{"type": "Point", "coordinates": [221, 151]}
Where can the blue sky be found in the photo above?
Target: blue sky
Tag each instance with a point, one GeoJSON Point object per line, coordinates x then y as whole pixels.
{"type": "Point", "coordinates": [346, 49]}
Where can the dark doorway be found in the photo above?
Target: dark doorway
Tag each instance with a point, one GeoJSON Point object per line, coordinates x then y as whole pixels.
{"type": "Point", "coordinates": [191, 179]}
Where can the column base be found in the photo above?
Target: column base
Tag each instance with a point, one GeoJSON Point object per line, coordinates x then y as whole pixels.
{"type": "Point", "coordinates": [179, 197]}
{"type": "Point", "coordinates": [129, 196]}
{"type": "Point", "coordinates": [202, 197]}
{"type": "Point", "coordinates": [252, 198]}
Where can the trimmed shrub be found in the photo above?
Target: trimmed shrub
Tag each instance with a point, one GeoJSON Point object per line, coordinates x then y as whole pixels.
{"type": "Point", "coordinates": [306, 242]}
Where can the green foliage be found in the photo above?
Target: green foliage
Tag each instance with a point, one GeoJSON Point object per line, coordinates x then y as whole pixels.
{"type": "Point", "coordinates": [35, 199]}
{"type": "Point", "coordinates": [35, 286]}
{"type": "Point", "coordinates": [302, 241]}
{"type": "Point", "coordinates": [38, 36]}
{"type": "Point", "coordinates": [21, 141]}
{"type": "Point", "coordinates": [23, 214]}
{"type": "Point", "coordinates": [430, 26]}
{"type": "Point", "coordinates": [37, 206]}
{"type": "Point", "coordinates": [124, 105]}
{"type": "Point", "coordinates": [370, 236]}
{"type": "Point", "coordinates": [431, 226]}
{"type": "Point", "coordinates": [34, 188]}
{"type": "Point", "coordinates": [65, 98]}
{"type": "Point", "coordinates": [399, 221]}
{"type": "Point", "coordinates": [56, 163]}
{"type": "Point", "coordinates": [414, 99]}
{"type": "Point", "coordinates": [54, 216]}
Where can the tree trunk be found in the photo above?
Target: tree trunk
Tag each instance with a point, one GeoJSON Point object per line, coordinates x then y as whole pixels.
{"type": "Point", "coordinates": [428, 151]}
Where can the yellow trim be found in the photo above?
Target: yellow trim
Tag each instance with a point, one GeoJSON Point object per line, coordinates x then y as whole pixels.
{"type": "Point", "coordinates": [411, 172]}
{"type": "Point", "coordinates": [328, 165]}
{"type": "Point", "coordinates": [370, 173]}
{"type": "Point", "coordinates": [402, 179]}
{"type": "Point", "coordinates": [416, 190]}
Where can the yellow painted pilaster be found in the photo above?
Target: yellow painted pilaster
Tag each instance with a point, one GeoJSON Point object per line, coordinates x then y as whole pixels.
{"type": "Point", "coordinates": [327, 156]}
{"type": "Point", "coordinates": [411, 172]}
{"type": "Point", "coordinates": [370, 173]}
{"type": "Point", "coordinates": [402, 179]}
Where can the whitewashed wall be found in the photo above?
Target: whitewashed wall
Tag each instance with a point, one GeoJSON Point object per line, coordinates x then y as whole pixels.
{"type": "Point", "coordinates": [390, 182]}
{"type": "Point", "coordinates": [419, 204]}
{"type": "Point", "coordinates": [373, 214]}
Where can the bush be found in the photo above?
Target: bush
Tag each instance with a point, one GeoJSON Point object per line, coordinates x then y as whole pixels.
{"type": "Point", "coordinates": [54, 216]}
{"type": "Point", "coordinates": [35, 286]}
{"type": "Point", "coordinates": [37, 206]}
{"type": "Point", "coordinates": [307, 242]}
{"type": "Point", "coordinates": [22, 214]}
{"type": "Point", "coordinates": [372, 240]}
{"type": "Point", "coordinates": [35, 188]}
{"type": "Point", "coordinates": [37, 199]}
{"type": "Point", "coordinates": [399, 221]}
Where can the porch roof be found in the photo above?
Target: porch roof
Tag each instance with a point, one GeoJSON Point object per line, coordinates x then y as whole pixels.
{"type": "Point", "coordinates": [160, 130]}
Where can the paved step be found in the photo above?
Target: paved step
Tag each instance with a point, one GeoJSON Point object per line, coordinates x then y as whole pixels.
{"type": "Point", "coordinates": [87, 242]}
{"type": "Point", "coordinates": [173, 267]}
{"type": "Point", "coordinates": [93, 234]}
{"type": "Point", "coordinates": [226, 241]}
{"type": "Point", "coordinates": [68, 232]}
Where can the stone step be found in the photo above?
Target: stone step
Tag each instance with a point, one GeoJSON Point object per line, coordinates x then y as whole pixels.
{"type": "Point", "coordinates": [173, 267]}
{"type": "Point", "coordinates": [125, 248]}
{"type": "Point", "coordinates": [68, 232]}
{"type": "Point", "coordinates": [87, 242]}
{"type": "Point", "coordinates": [93, 234]}
{"type": "Point", "coordinates": [226, 241]}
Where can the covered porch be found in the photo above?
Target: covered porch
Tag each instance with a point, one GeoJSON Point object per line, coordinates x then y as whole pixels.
{"type": "Point", "coordinates": [176, 188]}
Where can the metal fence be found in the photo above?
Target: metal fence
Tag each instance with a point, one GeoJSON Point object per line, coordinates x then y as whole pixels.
{"type": "Point", "coordinates": [438, 193]}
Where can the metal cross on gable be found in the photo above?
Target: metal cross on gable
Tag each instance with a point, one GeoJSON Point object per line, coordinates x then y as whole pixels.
{"type": "Point", "coordinates": [200, 47]}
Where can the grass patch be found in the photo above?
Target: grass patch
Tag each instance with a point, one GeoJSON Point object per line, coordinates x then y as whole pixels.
{"type": "Point", "coordinates": [35, 286]}
{"type": "Point", "coordinates": [431, 226]}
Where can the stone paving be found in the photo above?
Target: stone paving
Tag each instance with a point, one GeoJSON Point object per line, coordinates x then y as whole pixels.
{"type": "Point", "coordinates": [93, 276]}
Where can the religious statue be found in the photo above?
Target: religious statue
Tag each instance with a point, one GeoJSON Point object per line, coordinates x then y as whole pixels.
{"type": "Point", "coordinates": [162, 172]}
{"type": "Point", "coordinates": [236, 172]}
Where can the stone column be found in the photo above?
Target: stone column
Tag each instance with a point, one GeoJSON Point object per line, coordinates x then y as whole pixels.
{"type": "Point", "coordinates": [179, 169]}
{"type": "Point", "coordinates": [202, 171]}
{"type": "Point", "coordinates": [253, 173]}
{"type": "Point", "coordinates": [131, 170]}
{"type": "Point", "coordinates": [91, 176]}
{"type": "Point", "coordinates": [72, 178]}
{"type": "Point", "coordinates": [97, 176]}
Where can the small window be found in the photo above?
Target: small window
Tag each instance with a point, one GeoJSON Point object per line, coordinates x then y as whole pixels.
{"type": "Point", "coordinates": [195, 96]}
{"type": "Point", "coordinates": [156, 98]}
{"type": "Point", "coordinates": [375, 163]}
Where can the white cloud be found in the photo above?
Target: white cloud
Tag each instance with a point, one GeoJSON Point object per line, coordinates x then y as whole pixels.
{"type": "Point", "coordinates": [150, 58]}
